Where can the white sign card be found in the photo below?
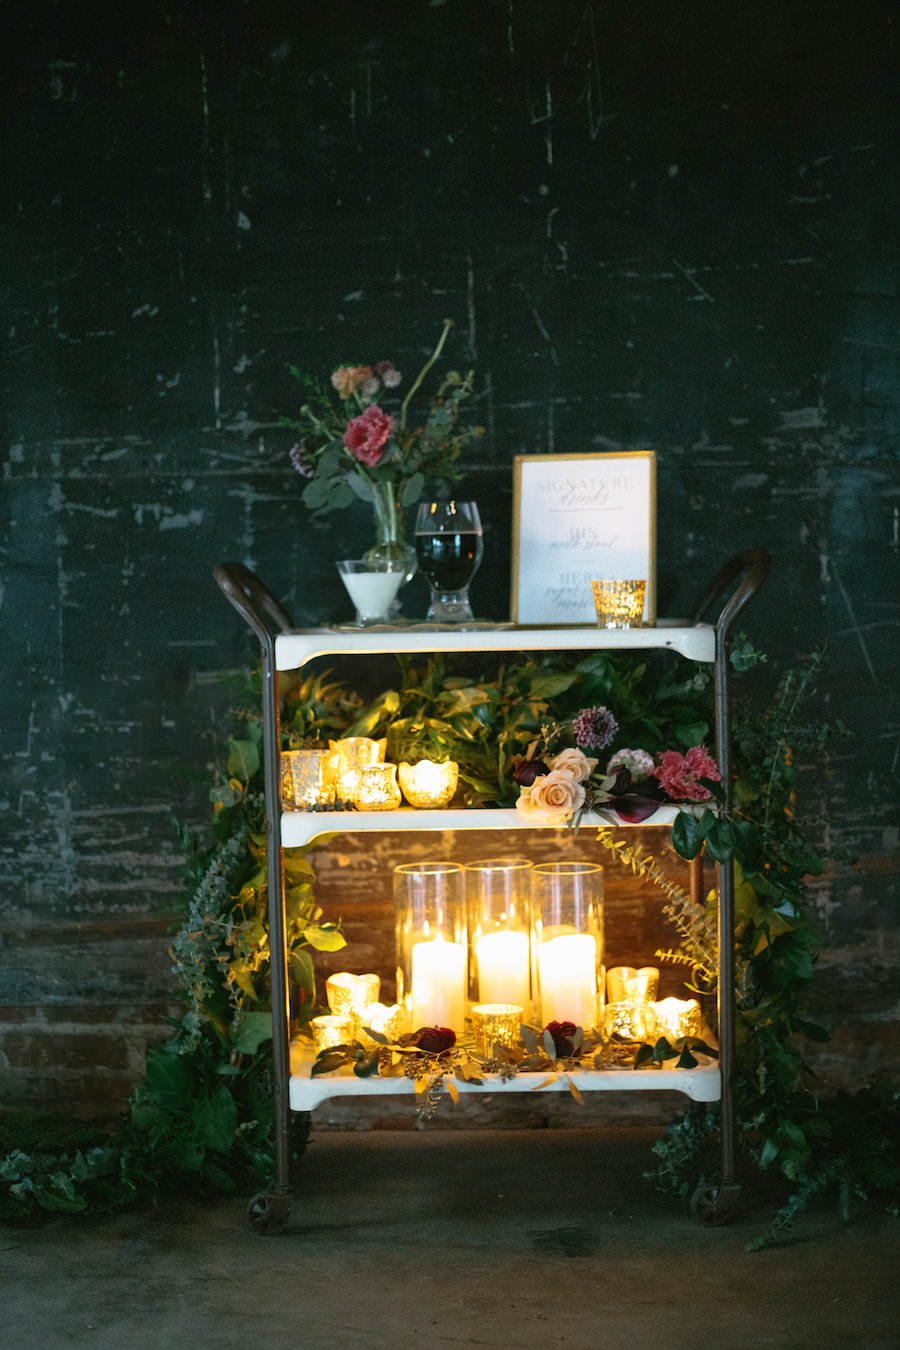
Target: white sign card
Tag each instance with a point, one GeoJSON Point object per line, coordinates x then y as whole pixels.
{"type": "Point", "coordinates": [578, 519]}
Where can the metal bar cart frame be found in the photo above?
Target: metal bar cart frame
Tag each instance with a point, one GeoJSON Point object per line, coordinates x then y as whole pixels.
{"type": "Point", "coordinates": [268, 1212]}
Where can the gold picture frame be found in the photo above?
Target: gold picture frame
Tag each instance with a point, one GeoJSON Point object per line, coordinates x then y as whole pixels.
{"type": "Point", "coordinates": [578, 518]}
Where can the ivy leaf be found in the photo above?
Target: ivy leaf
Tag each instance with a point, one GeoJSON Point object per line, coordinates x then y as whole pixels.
{"type": "Point", "coordinates": [253, 1029]}
{"type": "Point", "coordinates": [324, 939]}
{"type": "Point", "coordinates": [643, 1056]}
{"type": "Point", "coordinates": [243, 759]}
{"type": "Point", "coordinates": [686, 1060]}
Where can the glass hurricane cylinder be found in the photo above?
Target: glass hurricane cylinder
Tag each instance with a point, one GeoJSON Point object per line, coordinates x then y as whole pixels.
{"type": "Point", "coordinates": [567, 915]}
{"type": "Point", "coordinates": [430, 913]}
{"type": "Point", "coordinates": [498, 909]}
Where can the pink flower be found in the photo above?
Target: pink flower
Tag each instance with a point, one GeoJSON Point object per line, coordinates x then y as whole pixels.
{"type": "Point", "coordinates": [366, 435]}
{"type": "Point", "coordinates": [679, 775]}
{"type": "Point", "coordinates": [347, 379]}
{"type": "Point", "coordinates": [388, 373]}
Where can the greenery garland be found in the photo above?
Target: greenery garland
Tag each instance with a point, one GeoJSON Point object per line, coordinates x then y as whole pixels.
{"type": "Point", "coordinates": [203, 1114]}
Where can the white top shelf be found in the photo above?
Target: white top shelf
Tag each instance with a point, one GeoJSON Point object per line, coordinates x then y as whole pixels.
{"type": "Point", "coordinates": [696, 642]}
{"type": "Point", "coordinates": [702, 1084]}
{"type": "Point", "coordinates": [299, 827]}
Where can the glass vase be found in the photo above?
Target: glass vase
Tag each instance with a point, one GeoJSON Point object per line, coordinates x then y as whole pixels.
{"type": "Point", "coordinates": [498, 905]}
{"type": "Point", "coordinates": [567, 910]}
{"type": "Point", "coordinates": [430, 913]}
{"type": "Point", "coordinates": [390, 538]}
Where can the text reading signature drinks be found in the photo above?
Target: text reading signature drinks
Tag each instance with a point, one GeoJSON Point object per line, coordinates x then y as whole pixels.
{"type": "Point", "coordinates": [449, 548]}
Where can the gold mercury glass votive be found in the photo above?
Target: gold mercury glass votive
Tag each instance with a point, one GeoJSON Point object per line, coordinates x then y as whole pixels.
{"type": "Point", "coordinates": [348, 993]}
{"type": "Point", "coordinates": [307, 777]}
{"type": "Point", "coordinates": [328, 1031]}
{"type": "Point", "coordinates": [677, 1017]}
{"type": "Point", "coordinates": [429, 783]}
{"type": "Point", "coordinates": [496, 1024]}
{"type": "Point", "coordinates": [354, 753]}
{"type": "Point", "coordinates": [377, 788]}
{"type": "Point", "coordinates": [629, 1021]}
{"type": "Point", "coordinates": [619, 604]}
{"type": "Point", "coordinates": [389, 1021]}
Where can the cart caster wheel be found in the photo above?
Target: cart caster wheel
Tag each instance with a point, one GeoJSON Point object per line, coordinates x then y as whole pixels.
{"type": "Point", "coordinates": [268, 1213]}
{"type": "Point", "coordinates": [715, 1205]}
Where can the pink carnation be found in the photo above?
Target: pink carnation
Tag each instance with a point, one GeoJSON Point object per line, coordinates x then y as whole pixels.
{"type": "Point", "coordinates": [679, 775]}
{"type": "Point", "coordinates": [366, 435]}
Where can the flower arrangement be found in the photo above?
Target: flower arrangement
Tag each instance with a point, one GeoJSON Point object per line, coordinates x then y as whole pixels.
{"type": "Point", "coordinates": [559, 785]}
{"type": "Point", "coordinates": [356, 449]}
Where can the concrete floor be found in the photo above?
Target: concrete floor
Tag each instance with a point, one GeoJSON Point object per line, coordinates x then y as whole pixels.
{"type": "Point", "coordinates": [440, 1239]}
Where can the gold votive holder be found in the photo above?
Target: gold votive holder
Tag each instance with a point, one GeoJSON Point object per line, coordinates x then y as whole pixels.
{"type": "Point", "coordinates": [429, 784]}
{"type": "Point", "coordinates": [619, 604]}
{"type": "Point", "coordinates": [629, 1021]}
{"type": "Point", "coordinates": [390, 1022]}
{"type": "Point", "coordinates": [307, 778]}
{"type": "Point", "coordinates": [496, 1024]}
{"type": "Point", "coordinates": [348, 993]}
{"type": "Point", "coordinates": [377, 788]}
{"type": "Point", "coordinates": [354, 753]}
{"type": "Point", "coordinates": [328, 1031]}
{"type": "Point", "coordinates": [678, 1017]}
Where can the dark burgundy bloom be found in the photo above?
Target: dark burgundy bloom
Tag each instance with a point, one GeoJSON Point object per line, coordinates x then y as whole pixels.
{"type": "Point", "coordinates": [528, 770]}
{"type": "Point", "coordinates": [433, 1040]}
{"type": "Point", "coordinates": [561, 1033]}
{"type": "Point", "coordinates": [594, 728]}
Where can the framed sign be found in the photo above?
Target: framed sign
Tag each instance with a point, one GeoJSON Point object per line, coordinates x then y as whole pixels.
{"type": "Point", "coordinates": [577, 519]}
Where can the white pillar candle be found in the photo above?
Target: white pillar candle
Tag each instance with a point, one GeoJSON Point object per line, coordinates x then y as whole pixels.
{"type": "Point", "coordinates": [502, 959]}
{"type": "Point", "coordinates": [439, 984]}
{"type": "Point", "coordinates": [567, 968]}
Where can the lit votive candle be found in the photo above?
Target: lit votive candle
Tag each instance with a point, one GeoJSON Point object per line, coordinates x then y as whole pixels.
{"type": "Point", "coordinates": [354, 753]}
{"type": "Point", "coordinates": [328, 1031]}
{"type": "Point", "coordinates": [495, 1024]}
{"type": "Point", "coordinates": [439, 984]}
{"type": "Point", "coordinates": [567, 970]}
{"type": "Point", "coordinates": [429, 784]}
{"type": "Point", "coordinates": [390, 1022]}
{"type": "Point", "coordinates": [677, 1017]}
{"type": "Point", "coordinates": [376, 788]}
{"type": "Point", "coordinates": [348, 993]}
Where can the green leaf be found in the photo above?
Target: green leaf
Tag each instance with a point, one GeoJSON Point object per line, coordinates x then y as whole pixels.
{"type": "Point", "coordinates": [324, 939]}
{"type": "Point", "coordinates": [686, 835]}
{"type": "Point", "coordinates": [340, 496]}
{"type": "Point", "coordinates": [316, 493]}
{"type": "Point", "coordinates": [720, 840]}
{"type": "Point", "coordinates": [412, 489]}
{"type": "Point", "coordinates": [217, 1120]}
{"type": "Point", "coordinates": [303, 970]}
{"type": "Point", "coordinates": [253, 1029]}
{"type": "Point", "coordinates": [361, 486]}
{"type": "Point", "coordinates": [243, 759]}
{"type": "Point", "coordinates": [550, 686]}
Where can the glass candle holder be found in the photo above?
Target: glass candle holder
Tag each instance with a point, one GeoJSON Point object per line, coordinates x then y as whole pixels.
{"type": "Point", "coordinates": [388, 1021]}
{"type": "Point", "coordinates": [630, 1021]}
{"type": "Point", "coordinates": [567, 915]}
{"type": "Point", "coordinates": [328, 1031]}
{"type": "Point", "coordinates": [429, 784]}
{"type": "Point", "coordinates": [348, 993]}
{"type": "Point", "coordinates": [498, 910]}
{"type": "Point", "coordinates": [429, 908]}
{"type": "Point", "coordinates": [354, 753]}
{"type": "Point", "coordinates": [678, 1017]}
{"type": "Point", "coordinates": [496, 1024]}
{"type": "Point", "coordinates": [619, 604]}
{"type": "Point", "coordinates": [376, 788]}
{"type": "Point", "coordinates": [307, 778]}
{"type": "Point", "coordinates": [624, 984]}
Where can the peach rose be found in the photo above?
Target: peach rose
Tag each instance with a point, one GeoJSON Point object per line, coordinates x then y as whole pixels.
{"type": "Point", "coordinates": [551, 799]}
{"type": "Point", "coordinates": [576, 763]}
{"type": "Point", "coordinates": [347, 379]}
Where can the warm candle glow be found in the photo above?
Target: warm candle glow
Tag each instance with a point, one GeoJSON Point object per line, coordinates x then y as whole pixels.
{"type": "Point", "coordinates": [502, 962]}
{"type": "Point", "coordinates": [376, 788]}
{"type": "Point", "coordinates": [677, 1017]}
{"type": "Point", "coordinates": [429, 784]}
{"type": "Point", "coordinates": [328, 1031]}
{"type": "Point", "coordinates": [567, 970]}
{"type": "Point", "coordinates": [494, 1023]}
{"type": "Point", "coordinates": [388, 1021]}
{"type": "Point", "coordinates": [354, 754]}
{"type": "Point", "coordinates": [439, 984]}
{"type": "Point", "coordinates": [348, 993]}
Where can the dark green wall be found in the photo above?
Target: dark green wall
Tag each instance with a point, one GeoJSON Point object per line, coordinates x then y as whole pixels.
{"type": "Point", "coordinates": [667, 225]}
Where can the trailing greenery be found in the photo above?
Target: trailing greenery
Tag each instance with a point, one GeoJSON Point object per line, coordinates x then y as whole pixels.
{"type": "Point", "coordinates": [203, 1114]}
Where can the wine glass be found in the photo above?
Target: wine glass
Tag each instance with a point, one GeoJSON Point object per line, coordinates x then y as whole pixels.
{"type": "Point", "coordinates": [449, 547]}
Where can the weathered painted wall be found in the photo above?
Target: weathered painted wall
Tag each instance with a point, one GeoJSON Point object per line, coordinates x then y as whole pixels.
{"type": "Point", "coordinates": [668, 226]}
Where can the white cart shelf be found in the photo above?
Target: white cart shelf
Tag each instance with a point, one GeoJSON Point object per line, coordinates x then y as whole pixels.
{"type": "Point", "coordinates": [284, 649]}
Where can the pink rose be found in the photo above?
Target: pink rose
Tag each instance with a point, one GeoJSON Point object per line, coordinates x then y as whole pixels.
{"type": "Point", "coordinates": [347, 379]}
{"type": "Point", "coordinates": [366, 435]}
{"type": "Point", "coordinates": [576, 763]}
{"type": "Point", "coordinates": [551, 799]}
{"type": "Point", "coordinates": [679, 775]}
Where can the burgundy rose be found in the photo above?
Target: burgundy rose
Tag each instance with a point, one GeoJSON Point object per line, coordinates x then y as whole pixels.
{"type": "Point", "coordinates": [528, 770]}
{"type": "Point", "coordinates": [562, 1033]}
{"type": "Point", "coordinates": [366, 435]}
{"type": "Point", "coordinates": [433, 1040]}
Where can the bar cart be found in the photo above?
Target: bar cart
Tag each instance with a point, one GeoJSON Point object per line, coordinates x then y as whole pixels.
{"type": "Point", "coordinates": [284, 648]}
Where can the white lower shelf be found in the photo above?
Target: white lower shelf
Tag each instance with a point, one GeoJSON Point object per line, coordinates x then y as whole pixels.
{"type": "Point", "coordinates": [702, 1084]}
{"type": "Point", "coordinates": [299, 827]}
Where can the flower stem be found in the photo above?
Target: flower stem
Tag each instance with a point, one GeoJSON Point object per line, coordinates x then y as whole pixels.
{"type": "Point", "coordinates": [448, 324]}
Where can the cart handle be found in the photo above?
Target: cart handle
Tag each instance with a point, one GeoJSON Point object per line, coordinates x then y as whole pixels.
{"type": "Point", "coordinates": [254, 602]}
{"type": "Point", "coordinates": [752, 565]}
